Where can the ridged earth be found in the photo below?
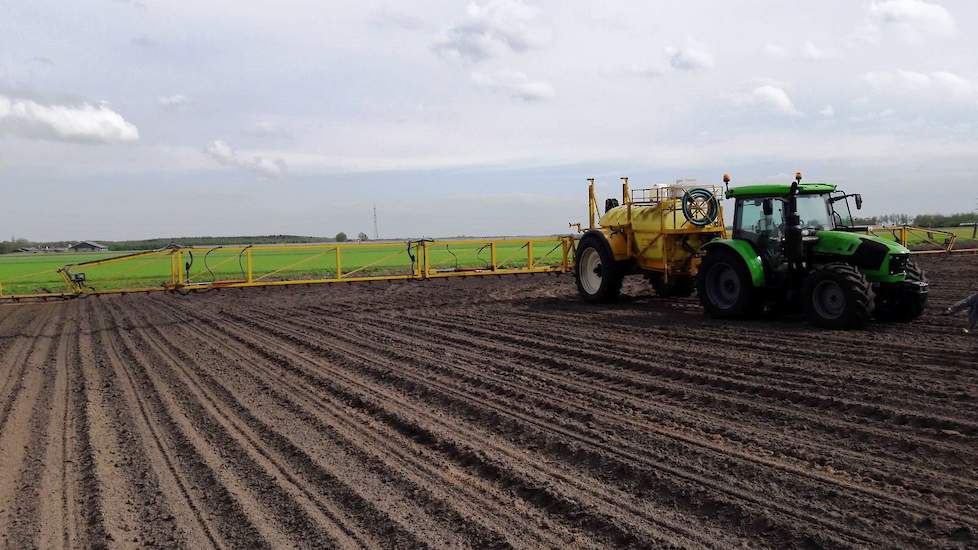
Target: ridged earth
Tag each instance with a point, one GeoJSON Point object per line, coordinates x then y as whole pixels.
{"type": "Point", "coordinates": [481, 413]}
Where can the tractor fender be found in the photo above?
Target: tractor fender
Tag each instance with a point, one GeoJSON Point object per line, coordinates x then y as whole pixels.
{"type": "Point", "coordinates": [750, 256]}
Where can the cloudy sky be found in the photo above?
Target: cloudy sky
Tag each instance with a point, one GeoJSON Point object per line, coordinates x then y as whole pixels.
{"type": "Point", "coordinates": [140, 118]}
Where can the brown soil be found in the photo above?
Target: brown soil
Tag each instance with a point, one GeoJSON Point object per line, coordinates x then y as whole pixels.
{"type": "Point", "coordinates": [481, 413]}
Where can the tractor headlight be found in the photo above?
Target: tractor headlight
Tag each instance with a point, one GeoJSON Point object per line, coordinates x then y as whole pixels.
{"type": "Point", "coordinates": [898, 263]}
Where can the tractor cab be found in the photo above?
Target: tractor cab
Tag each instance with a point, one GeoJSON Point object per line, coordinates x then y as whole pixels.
{"type": "Point", "coordinates": [760, 217]}
{"type": "Point", "coordinates": [794, 246]}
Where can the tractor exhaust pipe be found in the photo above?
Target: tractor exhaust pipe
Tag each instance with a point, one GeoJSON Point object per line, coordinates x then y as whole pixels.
{"type": "Point", "coordinates": [793, 249]}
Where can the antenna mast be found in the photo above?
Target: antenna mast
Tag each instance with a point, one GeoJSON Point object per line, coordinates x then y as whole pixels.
{"type": "Point", "coordinates": [376, 233]}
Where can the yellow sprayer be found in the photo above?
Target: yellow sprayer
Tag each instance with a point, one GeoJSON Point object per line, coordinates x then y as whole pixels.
{"type": "Point", "coordinates": [655, 232]}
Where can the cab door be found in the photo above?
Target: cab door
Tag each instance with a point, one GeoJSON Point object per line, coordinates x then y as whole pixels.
{"type": "Point", "coordinates": [761, 222]}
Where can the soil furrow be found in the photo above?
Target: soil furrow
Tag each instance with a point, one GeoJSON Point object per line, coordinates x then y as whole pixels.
{"type": "Point", "coordinates": [24, 531]}
{"type": "Point", "coordinates": [250, 472]}
{"type": "Point", "coordinates": [384, 452]}
{"type": "Point", "coordinates": [219, 514]}
{"type": "Point", "coordinates": [639, 380]}
{"type": "Point", "coordinates": [291, 462]}
{"type": "Point", "coordinates": [19, 450]}
{"type": "Point", "coordinates": [382, 397]}
{"type": "Point", "coordinates": [82, 491]}
{"type": "Point", "coordinates": [17, 364]}
{"type": "Point", "coordinates": [582, 409]}
{"type": "Point", "coordinates": [482, 412]}
{"type": "Point", "coordinates": [474, 382]}
{"type": "Point", "coordinates": [470, 338]}
{"type": "Point", "coordinates": [764, 361]}
{"type": "Point", "coordinates": [493, 414]}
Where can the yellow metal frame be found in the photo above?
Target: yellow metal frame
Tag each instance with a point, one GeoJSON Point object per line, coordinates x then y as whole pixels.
{"type": "Point", "coordinates": [902, 235]}
{"type": "Point", "coordinates": [561, 248]}
{"type": "Point", "coordinates": [496, 267]}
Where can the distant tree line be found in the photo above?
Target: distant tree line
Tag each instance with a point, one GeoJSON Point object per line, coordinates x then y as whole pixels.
{"type": "Point", "coordinates": [7, 247]}
{"type": "Point", "coordinates": [885, 219]}
{"type": "Point", "coordinates": [920, 220]}
{"type": "Point", "coordinates": [153, 244]}
{"type": "Point", "coordinates": [940, 220]}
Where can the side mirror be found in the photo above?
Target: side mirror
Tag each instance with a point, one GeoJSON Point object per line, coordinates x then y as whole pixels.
{"type": "Point", "coordinates": [768, 207]}
{"type": "Point", "coordinates": [859, 202]}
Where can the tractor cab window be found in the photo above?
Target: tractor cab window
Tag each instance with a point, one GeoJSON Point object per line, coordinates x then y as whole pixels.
{"type": "Point", "coordinates": [815, 212]}
{"type": "Point", "coordinates": [760, 221]}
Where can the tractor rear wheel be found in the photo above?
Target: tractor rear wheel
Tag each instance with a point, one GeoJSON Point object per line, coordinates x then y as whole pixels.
{"type": "Point", "coordinates": [725, 287]}
{"type": "Point", "coordinates": [677, 287]}
{"type": "Point", "coordinates": [837, 296]}
{"type": "Point", "coordinates": [599, 277]}
{"type": "Point", "coordinates": [904, 307]}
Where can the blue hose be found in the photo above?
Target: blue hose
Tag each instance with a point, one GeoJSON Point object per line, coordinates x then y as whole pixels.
{"type": "Point", "coordinates": [700, 219]}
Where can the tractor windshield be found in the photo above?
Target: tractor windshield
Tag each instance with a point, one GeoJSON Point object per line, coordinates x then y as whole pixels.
{"type": "Point", "coordinates": [814, 212]}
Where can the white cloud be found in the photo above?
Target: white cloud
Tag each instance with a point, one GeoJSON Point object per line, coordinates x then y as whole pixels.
{"type": "Point", "coordinates": [491, 28]}
{"type": "Point", "coordinates": [263, 166]}
{"type": "Point", "coordinates": [175, 100]}
{"type": "Point", "coordinates": [808, 51]}
{"type": "Point", "coordinates": [813, 53]}
{"type": "Point", "coordinates": [643, 71]}
{"type": "Point", "coordinates": [269, 128]}
{"type": "Point", "coordinates": [84, 122]}
{"type": "Point", "coordinates": [773, 98]}
{"type": "Point", "coordinates": [693, 57]}
{"type": "Point", "coordinates": [912, 18]}
{"type": "Point", "coordinates": [516, 84]}
{"type": "Point", "coordinates": [388, 18]}
{"type": "Point", "coordinates": [776, 51]}
{"type": "Point", "coordinates": [954, 85]}
{"type": "Point", "coordinates": [143, 41]}
{"type": "Point", "coordinates": [828, 111]}
{"type": "Point", "coordinates": [872, 116]}
{"type": "Point", "coordinates": [935, 85]}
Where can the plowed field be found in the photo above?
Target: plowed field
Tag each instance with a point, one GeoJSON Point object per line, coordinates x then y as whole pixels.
{"type": "Point", "coordinates": [481, 413]}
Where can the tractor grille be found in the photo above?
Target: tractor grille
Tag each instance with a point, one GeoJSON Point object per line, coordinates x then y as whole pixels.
{"type": "Point", "coordinates": [898, 263]}
{"type": "Point", "coordinates": [870, 254]}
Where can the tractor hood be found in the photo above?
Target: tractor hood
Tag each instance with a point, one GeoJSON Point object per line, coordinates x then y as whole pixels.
{"type": "Point", "coordinates": [879, 259]}
{"type": "Point", "coordinates": [846, 243]}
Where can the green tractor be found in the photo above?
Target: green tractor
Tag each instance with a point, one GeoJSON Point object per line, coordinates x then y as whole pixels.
{"type": "Point", "coordinates": [793, 250]}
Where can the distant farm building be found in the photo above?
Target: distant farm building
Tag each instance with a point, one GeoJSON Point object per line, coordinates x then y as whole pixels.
{"type": "Point", "coordinates": [88, 246]}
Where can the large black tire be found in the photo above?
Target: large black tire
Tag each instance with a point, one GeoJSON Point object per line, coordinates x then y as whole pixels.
{"type": "Point", "coordinates": [599, 277]}
{"type": "Point", "coordinates": [677, 287]}
{"type": "Point", "coordinates": [837, 296]}
{"type": "Point", "coordinates": [901, 307]}
{"type": "Point", "coordinates": [725, 287]}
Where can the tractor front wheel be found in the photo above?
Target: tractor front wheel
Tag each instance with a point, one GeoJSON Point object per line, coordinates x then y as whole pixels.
{"type": "Point", "coordinates": [599, 277]}
{"type": "Point", "coordinates": [901, 306]}
{"type": "Point", "coordinates": [837, 296]}
{"type": "Point", "coordinates": [725, 287]}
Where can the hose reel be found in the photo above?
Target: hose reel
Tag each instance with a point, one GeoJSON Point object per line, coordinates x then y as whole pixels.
{"type": "Point", "coordinates": [700, 206]}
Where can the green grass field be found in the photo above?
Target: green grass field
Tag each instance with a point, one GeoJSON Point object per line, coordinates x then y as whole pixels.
{"type": "Point", "coordinates": [919, 237]}
{"type": "Point", "coordinates": [35, 273]}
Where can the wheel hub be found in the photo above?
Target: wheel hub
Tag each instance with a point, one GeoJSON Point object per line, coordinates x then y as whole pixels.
{"type": "Point", "coordinates": [723, 285]}
{"type": "Point", "coordinates": [829, 300]}
{"type": "Point", "coordinates": [591, 271]}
